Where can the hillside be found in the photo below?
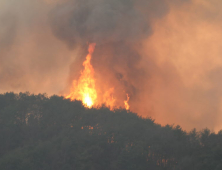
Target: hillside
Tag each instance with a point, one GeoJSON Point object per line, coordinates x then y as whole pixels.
{"type": "Point", "coordinates": [51, 133]}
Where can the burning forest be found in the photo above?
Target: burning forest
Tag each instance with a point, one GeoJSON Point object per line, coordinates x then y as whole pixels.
{"type": "Point", "coordinates": [159, 59]}
{"type": "Point", "coordinates": [110, 84]}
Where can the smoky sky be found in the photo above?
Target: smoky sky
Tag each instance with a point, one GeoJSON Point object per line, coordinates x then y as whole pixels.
{"type": "Point", "coordinates": [105, 21]}
{"type": "Point", "coordinates": [166, 54]}
{"type": "Point", "coordinates": [118, 28]}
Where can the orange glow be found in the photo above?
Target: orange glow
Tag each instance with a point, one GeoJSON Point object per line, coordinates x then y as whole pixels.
{"type": "Point", "coordinates": [108, 99]}
{"type": "Point", "coordinates": [126, 102]}
{"type": "Point", "coordinates": [85, 88]}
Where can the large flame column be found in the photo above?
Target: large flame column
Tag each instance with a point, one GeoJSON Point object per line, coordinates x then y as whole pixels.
{"type": "Point", "coordinates": [84, 88]}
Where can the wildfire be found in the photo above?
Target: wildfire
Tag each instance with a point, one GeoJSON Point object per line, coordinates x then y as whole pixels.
{"type": "Point", "coordinates": [85, 88]}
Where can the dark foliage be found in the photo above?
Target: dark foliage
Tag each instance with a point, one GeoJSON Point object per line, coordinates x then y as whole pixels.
{"type": "Point", "coordinates": [41, 133]}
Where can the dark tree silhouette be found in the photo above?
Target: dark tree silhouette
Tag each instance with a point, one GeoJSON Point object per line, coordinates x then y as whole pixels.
{"type": "Point", "coordinates": [52, 133]}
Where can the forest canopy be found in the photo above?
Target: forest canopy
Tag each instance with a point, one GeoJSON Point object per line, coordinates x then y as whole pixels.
{"type": "Point", "coordinates": [52, 133]}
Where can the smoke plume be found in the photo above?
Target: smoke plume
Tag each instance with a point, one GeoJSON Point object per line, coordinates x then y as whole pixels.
{"type": "Point", "coordinates": [164, 53]}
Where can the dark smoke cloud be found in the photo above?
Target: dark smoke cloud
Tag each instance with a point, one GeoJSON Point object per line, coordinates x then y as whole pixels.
{"type": "Point", "coordinates": [105, 21]}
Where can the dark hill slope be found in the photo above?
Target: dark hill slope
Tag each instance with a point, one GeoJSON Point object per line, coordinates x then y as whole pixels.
{"type": "Point", "coordinates": [41, 133]}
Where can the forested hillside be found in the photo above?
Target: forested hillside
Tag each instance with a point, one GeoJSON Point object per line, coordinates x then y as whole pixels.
{"type": "Point", "coordinates": [41, 133]}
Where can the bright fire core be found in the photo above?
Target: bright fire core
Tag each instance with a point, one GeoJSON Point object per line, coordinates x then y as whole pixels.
{"type": "Point", "coordinates": [85, 88]}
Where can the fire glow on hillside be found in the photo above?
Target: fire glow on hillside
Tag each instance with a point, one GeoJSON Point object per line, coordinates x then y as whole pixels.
{"type": "Point", "coordinates": [166, 55]}
{"type": "Point", "coordinates": [85, 88]}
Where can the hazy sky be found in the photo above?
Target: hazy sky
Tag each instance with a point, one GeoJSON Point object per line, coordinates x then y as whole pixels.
{"type": "Point", "coordinates": [166, 54]}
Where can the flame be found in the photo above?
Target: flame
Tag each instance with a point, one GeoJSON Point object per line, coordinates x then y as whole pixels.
{"type": "Point", "coordinates": [108, 99]}
{"type": "Point", "coordinates": [85, 88]}
{"type": "Point", "coordinates": [126, 102]}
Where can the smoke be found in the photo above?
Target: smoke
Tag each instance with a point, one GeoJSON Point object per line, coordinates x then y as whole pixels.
{"type": "Point", "coordinates": [100, 21]}
{"type": "Point", "coordinates": [189, 40]}
{"type": "Point", "coordinates": [165, 54]}
{"type": "Point", "coordinates": [118, 28]}
{"type": "Point", "coordinates": [31, 58]}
